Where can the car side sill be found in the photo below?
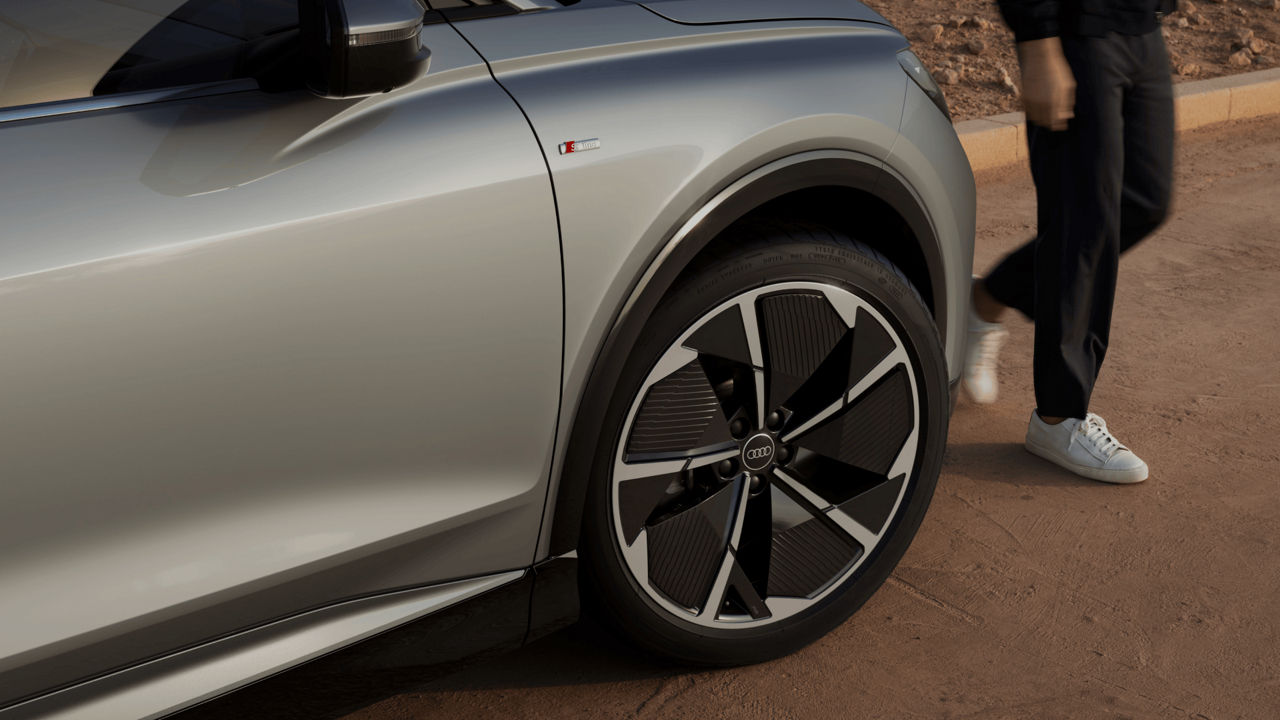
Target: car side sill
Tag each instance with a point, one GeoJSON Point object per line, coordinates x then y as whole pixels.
{"type": "Point", "coordinates": [168, 684]}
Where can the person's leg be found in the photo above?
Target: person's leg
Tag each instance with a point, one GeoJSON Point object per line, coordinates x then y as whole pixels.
{"type": "Point", "coordinates": [1147, 111]}
{"type": "Point", "coordinates": [1010, 284]}
{"type": "Point", "coordinates": [1076, 262]}
{"type": "Point", "coordinates": [1015, 280]}
{"type": "Point", "coordinates": [1079, 179]}
{"type": "Point", "coordinates": [1148, 143]}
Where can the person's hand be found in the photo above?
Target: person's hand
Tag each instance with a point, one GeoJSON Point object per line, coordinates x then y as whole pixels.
{"type": "Point", "coordinates": [1048, 87]}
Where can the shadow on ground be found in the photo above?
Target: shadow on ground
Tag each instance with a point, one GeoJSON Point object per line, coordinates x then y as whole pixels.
{"type": "Point", "coordinates": [584, 653]}
{"type": "Point", "coordinates": [1010, 464]}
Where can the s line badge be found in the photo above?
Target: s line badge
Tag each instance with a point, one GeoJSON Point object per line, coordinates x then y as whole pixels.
{"type": "Point", "coordinates": [573, 146]}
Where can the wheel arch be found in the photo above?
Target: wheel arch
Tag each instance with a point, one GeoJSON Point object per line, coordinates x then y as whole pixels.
{"type": "Point", "coordinates": [802, 187]}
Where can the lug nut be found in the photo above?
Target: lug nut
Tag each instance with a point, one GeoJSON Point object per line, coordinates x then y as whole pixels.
{"type": "Point", "coordinates": [774, 421]}
{"type": "Point", "coordinates": [757, 482]}
{"type": "Point", "coordinates": [726, 468]}
{"type": "Point", "coordinates": [738, 427]}
{"type": "Point", "coordinates": [784, 454]}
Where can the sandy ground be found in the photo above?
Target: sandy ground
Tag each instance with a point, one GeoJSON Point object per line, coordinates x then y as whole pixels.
{"type": "Point", "coordinates": [1028, 592]}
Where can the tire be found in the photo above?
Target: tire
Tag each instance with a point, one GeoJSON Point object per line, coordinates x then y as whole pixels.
{"type": "Point", "coordinates": [720, 530]}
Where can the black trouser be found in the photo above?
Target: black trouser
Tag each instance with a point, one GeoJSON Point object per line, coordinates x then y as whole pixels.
{"type": "Point", "coordinates": [1101, 186]}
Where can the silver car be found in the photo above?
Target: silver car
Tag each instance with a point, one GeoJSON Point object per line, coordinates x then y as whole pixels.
{"type": "Point", "coordinates": [321, 317]}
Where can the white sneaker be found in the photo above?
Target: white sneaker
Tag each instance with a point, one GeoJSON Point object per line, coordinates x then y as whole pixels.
{"type": "Point", "coordinates": [1086, 448]}
{"type": "Point", "coordinates": [985, 340]}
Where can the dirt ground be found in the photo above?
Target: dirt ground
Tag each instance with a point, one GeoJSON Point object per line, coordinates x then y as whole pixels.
{"type": "Point", "coordinates": [970, 51]}
{"type": "Point", "coordinates": [1029, 592]}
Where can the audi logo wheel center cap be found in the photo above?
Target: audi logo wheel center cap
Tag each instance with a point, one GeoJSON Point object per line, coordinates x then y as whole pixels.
{"type": "Point", "coordinates": [758, 452]}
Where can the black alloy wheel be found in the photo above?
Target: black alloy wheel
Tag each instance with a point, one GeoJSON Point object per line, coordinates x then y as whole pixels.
{"type": "Point", "coordinates": [773, 453]}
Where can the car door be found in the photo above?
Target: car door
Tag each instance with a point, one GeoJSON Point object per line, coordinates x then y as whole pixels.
{"type": "Point", "coordinates": [259, 351]}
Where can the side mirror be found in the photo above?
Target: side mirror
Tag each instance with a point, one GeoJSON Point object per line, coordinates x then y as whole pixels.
{"type": "Point", "coordinates": [361, 47]}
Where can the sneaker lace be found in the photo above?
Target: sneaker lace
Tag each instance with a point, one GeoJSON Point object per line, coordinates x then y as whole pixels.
{"type": "Point", "coordinates": [1095, 431]}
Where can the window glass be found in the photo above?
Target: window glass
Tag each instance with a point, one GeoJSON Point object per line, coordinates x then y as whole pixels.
{"type": "Point", "coordinates": [64, 49]}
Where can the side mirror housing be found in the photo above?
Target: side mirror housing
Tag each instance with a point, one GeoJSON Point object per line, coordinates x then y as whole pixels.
{"type": "Point", "coordinates": [354, 48]}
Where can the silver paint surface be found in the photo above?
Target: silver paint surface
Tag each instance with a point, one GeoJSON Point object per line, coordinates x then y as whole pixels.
{"type": "Point", "coordinates": [251, 338]}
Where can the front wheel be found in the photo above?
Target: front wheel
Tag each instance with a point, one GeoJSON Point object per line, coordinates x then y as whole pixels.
{"type": "Point", "coordinates": [771, 449]}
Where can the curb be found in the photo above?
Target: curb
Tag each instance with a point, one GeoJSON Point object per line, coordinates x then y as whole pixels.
{"type": "Point", "coordinates": [1000, 140]}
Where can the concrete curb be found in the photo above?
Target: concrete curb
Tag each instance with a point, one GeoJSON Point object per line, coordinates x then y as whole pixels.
{"type": "Point", "coordinates": [1001, 140]}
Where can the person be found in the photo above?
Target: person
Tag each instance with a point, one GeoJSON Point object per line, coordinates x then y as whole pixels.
{"type": "Point", "coordinates": [1098, 96]}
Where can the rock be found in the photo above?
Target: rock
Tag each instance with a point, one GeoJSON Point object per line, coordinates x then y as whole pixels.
{"type": "Point", "coordinates": [1240, 11]}
{"type": "Point", "coordinates": [1264, 61]}
{"type": "Point", "coordinates": [1199, 19]}
{"type": "Point", "coordinates": [934, 33]}
{"type": "Point", "coordinates": [949, 77]}
{"type": "Point", "coordinates": [1188, 69]}
{"type": "Point", "coordinates": [1188, 8]}
{"type": "Point", "coordinates": [1007, 82]}
{"type": "Point", "coordinates": [1240, 58]}
{"type": "Point", "coordinates": [958, 21]}
{"type": "Point", "coordinates": [980, 22]}
{"type": "Point", "coordinates": [1182, 22]}
{"type": "Point", "coordinates": [1241, 37]}
{"type": "Point", "coordinates": [1257, 46]}
{"type": "Point", "coordinates": [977, 46]}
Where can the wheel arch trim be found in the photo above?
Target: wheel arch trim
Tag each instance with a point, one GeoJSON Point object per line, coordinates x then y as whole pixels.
{"type": "Point", "coordinates": [806, 170]}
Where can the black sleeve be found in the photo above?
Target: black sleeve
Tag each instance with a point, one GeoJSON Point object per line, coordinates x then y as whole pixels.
{"type": "Point", "coordinates": [1031, 19]}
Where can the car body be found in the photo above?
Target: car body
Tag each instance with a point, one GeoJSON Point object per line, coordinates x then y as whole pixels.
{"type": "Point", "coordinates": [281, 372]}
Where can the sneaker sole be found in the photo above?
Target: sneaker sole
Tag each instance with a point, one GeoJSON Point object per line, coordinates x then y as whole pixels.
{"type": "Point", "coordinates": [1114, 477]}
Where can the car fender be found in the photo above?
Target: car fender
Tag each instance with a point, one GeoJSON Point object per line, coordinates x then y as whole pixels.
{"type": "Point", "coordinates": [820, 168]}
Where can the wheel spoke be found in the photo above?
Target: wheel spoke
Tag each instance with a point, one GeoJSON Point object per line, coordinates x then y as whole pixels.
{"type": "Point", "coordinates": [869, 433]}
{"type": "Point", "coordinates": [812, 502]}
{"type": "Point", "coordinates": [751, 324]}
{"type": "Point", "coordinates": [742, 593]}
{"type": "Point", "coordinates": [843, 492]}
{"type": "Point", "coordinates": [821, 417]}
{"type": "Point", "coordinates": [687, 549]}
{"type": "Point", "coordinates": [726, 575]}
{"type": "Point", "coordinates": [856, 530]}
{"type": "Point", "coordinates": [753, 547]}
{"type": "Point", "coordinates": [728, 348]}
{"type": "Point", "coordinates": [644, 487]}
{"type": "Point", "coordinates": [808, 548]}
{"type": "Point", "coordinates": [859, 386]}
{"type": "Point", "coordinates": [865, 515]}
{"type": "Point", "coordinates": [632, 469]}
{"type": "Point", "coordinates": [895, 359]}
{"type": "Point", "coordinates": [864, 504]}
{"type": "Point", "coordinates": [818, 507]}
